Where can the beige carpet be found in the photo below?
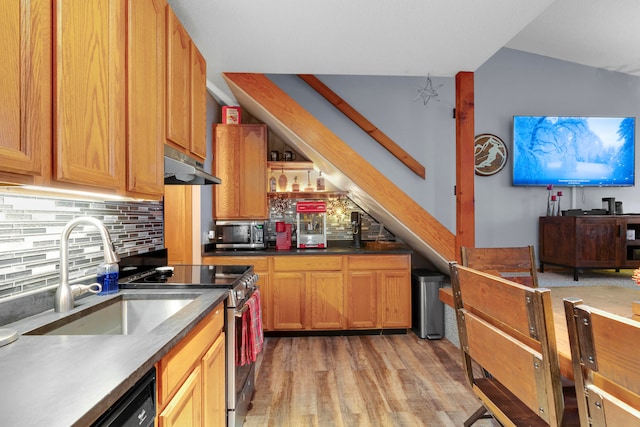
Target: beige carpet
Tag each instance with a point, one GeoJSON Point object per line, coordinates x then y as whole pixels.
{"type": "Point", "coordinates": [587, 277]}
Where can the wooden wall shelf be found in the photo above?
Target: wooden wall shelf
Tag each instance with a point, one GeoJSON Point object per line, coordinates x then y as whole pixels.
{"type": "Point", "coordinates": [307, 194]}
{"type": "Point", "coordinates": [288, 166]}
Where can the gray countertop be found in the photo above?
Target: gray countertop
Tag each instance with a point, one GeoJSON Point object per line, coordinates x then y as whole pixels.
{"type": "Point", "coordinates": [67, 380]}
{"type": "Point", "coordinates": [333, 248]}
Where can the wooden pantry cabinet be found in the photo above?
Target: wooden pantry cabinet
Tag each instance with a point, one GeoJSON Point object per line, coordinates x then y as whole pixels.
{"type": "Point", "coordinates": [26, 91]}
{"type": "Point", "coordinates": [378, 290]}
{"type": "Point", "coordinates": [191, 377]}
{"type": "Point", "coordinates": [240, 161]}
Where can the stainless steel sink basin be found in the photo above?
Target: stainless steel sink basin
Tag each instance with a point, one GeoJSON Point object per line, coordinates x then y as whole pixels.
{"type": "Point", "coordinates": [126, 314]}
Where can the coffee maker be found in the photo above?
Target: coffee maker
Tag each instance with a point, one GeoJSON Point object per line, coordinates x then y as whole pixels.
{"type": "Point", "coordinates": [356, 229]}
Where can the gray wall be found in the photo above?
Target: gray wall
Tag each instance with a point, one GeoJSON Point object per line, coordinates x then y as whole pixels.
{"type": "Point", "coordinates": [509, 83]}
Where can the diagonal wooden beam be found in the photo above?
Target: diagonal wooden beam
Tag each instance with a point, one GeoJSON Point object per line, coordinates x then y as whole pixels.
{"type": "Point", "coordinates": [364, 124]}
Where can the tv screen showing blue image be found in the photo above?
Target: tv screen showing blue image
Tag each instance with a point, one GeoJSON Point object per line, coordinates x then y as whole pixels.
{"type": "Point", "coordinates": [573, 151]}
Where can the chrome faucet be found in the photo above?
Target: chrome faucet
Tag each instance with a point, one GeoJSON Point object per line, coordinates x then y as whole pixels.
{"type": "Point", "coordinates": [65, 293]}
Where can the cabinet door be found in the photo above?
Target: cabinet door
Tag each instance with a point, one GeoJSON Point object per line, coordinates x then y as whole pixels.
{"type": "Point", "coordinates": [178, 83]}
{"type": "Point", "coordinates": [361, 297]}
{"type": "Point", "coordinates": [178, 223]}
{"type": "Point", "coordinates": [198, 145]}
{"type": "Point", "coordinates": [598, 242]}
{"type": "Point", "coordinates": [327, 299]}
{"type": "Point", "coordinates": [25, 88]}
{"type": "Point", "coordinates": [89, 113]}
{"type": "Point", "coordinates": [253, 199]}
{"type": "Point", "coordinates": [394, 289]}
{"type": "Point", "coordinates": [214, 408]}
{"type": "Point", "coordinates": [146, 28]}
{"type": "Point", "coordinates": [185, 409]}
{"type": "Point", "coordinates": [288, 301]}
{"type": "Point", "coordinates": [240, 161]}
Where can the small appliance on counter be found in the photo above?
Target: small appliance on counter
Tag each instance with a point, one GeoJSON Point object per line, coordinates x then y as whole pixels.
{"type": "Point", "coordinates": [356, 229]}
{"type": "Point", "coordinates": [283, 236]}
{"type": "Point", "coordinates": [312, 224]}
{"type": "Point", "coordinates": [239, 235]}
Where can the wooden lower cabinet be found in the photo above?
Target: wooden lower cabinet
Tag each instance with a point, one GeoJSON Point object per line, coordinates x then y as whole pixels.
{"type": "Point", "coordinates": [394, 296]}
{"type": "Point", "coordinates": [185, 409]}
{"type": "Point", "coordinates": [307, 292]}
{"type": "Point", "coordinates": [378, 291]}
{"type": "Point", "coordinates": [214, 410]}
{"type": "Point", "coordinates": [362, 300]}
{"type": "Point", "coordinates": [191, 377]}
{"type": "Point", "coordinates": [330, 292]}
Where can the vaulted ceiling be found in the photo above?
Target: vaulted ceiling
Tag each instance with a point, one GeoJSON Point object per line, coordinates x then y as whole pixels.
{"type": "Point", "coordinates": [404, 38]}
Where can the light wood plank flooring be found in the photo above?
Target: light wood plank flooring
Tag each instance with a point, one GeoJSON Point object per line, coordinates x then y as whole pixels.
{"type": "Point", "coordinates": [365, 380]}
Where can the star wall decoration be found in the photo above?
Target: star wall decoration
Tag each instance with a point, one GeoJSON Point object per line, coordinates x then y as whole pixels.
{"type": "Point", "coordinates": [427, 93]}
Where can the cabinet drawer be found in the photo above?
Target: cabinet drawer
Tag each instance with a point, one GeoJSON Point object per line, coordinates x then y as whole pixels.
{"type": "Point", "coordinates": [378, 262]}
{"type": "Point", "coordinates": [174, 368]}
{"type": "Point", "coordinates": [307, 263]}
{"type": "Point", "coordinates": [260, 263]}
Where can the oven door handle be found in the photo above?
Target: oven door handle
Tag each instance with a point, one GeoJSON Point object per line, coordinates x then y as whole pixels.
{"type": "Point", "coordinates": [240, 312]}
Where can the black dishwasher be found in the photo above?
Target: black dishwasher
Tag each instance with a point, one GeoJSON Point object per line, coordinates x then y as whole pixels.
{"type": "Point", "coordinates": [137, 408]}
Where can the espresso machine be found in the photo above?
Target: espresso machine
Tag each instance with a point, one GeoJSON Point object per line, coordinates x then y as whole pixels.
{"type": "Point", "coordinates": [356, 229]}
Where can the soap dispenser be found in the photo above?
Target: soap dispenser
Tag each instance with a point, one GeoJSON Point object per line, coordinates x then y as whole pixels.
{"type": "Point", "coordinates": [107, 277]}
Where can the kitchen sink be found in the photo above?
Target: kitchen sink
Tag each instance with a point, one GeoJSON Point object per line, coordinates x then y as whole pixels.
{"type": "Point", "coordinates": [127, 314]}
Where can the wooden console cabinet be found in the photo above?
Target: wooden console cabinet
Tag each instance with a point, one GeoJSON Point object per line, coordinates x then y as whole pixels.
{"type": "Point", "coordinates": [590, 241]}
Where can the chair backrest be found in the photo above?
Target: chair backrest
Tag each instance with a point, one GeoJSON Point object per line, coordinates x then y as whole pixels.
{"type": "Point", "coordinates": [604, 354]}
{"type": "Point", "coordinates": [517, 264]}
{"type": "Point", "coordinates": [507, 330]}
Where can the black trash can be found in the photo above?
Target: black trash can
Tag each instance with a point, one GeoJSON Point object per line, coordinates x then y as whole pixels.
{"type": "Point", "coordinates": [426, 308]}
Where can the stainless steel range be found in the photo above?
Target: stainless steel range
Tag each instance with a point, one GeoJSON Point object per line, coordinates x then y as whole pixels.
{"type": "Point", "coordinates": [151, 272]}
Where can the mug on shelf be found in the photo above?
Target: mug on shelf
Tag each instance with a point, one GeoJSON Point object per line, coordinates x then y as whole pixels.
{"type": "Point", "coordinates": [274, 156]}
{"type": "Point", "coordinates": [288, 156]}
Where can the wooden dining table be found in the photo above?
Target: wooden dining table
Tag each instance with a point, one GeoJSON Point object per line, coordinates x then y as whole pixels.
{"type": "Point", "coordinates": [613, 299]}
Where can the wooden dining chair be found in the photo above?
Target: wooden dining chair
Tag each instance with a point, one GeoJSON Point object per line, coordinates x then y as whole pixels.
{"type": "Point", "coordinates": [506, 330]}
{"type": "Point", "coordinates": [517, 264]}
{"type": "Point", "coordinates": [604, 355]}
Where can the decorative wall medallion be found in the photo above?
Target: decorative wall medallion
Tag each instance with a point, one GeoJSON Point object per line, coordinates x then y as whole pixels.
{"type": "Point", "coordinates": [490, 154]}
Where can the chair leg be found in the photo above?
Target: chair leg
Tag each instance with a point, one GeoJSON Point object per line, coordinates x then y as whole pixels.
{"type": "Point", "coordinates": [479, 414]}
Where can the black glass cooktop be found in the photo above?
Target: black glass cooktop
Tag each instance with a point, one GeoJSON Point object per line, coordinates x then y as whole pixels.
{"type": "Point", "coordinates": [223, 276]}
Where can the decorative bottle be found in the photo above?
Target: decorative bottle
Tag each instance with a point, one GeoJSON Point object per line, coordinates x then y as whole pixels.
{"type": "Point", "coordinates": [272, 183]}
{"type": "Point", "coordinates": [320, 182]}
{"type": "Point", "coordinates": [295, 186]}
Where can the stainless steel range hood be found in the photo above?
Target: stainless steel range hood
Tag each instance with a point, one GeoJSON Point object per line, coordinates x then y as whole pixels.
{"type": "Point", "coordinates": [180, 169]}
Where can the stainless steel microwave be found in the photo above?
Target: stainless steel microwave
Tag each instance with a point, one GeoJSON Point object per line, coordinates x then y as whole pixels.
{"type": "Point", "coordinates": [239, 235]}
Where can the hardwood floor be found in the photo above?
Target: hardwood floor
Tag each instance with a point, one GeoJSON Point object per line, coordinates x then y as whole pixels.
{"type": "Point", "coordinates": [364, 380]}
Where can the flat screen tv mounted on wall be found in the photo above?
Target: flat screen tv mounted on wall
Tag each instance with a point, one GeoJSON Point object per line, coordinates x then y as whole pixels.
{"type": "Point", "coordinates": [574, 151]}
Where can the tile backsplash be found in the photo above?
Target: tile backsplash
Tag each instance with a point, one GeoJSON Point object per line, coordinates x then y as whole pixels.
{"type": "Point", "coordinates": [30, 228]}
{"type": "Point", "coordinates": [338, 225]}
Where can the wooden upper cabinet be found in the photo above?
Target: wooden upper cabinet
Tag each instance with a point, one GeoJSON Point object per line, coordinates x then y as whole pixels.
{"type": "Point", "coordinates": [178, 83]}
{"type": "Point", "coordinates": [89, 113]}
{"type": "Point", "coordinates": [25, 90]}
{"type": "Point", "coordinates": [240, 161]}
{"type": "Point", "coordinates": [146, 42]}
{"type": "Point", "coordinates": [198, 104]}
